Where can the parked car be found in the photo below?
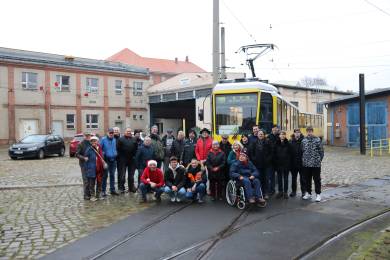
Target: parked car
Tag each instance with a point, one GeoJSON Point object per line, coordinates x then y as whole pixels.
{"type": "Point", "coordinates": [74, 143]}
{"type": "Point", "coordinates": [37, 146]}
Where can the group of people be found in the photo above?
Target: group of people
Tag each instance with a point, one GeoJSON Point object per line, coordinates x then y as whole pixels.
{"type": "Point", "coordinates": [189, 168]}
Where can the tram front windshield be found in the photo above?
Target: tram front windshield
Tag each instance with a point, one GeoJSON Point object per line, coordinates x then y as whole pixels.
{"type": "Point", "coordinates": [235, 113]}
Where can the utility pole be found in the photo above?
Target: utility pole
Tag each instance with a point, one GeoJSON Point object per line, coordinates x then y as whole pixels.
{"type": "Point", "coordinates": [223, 57]}
{"type": "Point", "coordinates": [362, 115]}
{"type": "Point", "coordinates": [216, 57]}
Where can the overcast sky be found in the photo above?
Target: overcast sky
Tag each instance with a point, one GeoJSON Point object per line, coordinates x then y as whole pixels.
{"type": "Point", "coordinates": [333, 39]}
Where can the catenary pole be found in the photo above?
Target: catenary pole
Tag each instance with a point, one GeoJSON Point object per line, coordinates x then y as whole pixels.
{"type": "Point", "coordinates": [216, 57]}
{"type": "Point", "coordinates": [223, 56]}
{"type": "Point", "coordinates": [362, 115]}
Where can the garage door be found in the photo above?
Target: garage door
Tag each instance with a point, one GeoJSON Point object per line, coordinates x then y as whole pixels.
{"type": "Point", "coordinates": [28, 127]}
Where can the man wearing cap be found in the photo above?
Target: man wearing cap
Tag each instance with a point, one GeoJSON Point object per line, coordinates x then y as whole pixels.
{"type": "Point", "coordinates": [127, 149]}
{"type": "Point", "coordinates": [203, 145]}
{"type": "Point", "coordinates": [108, 144]}
{"type": "Point", "coordinates": [189, 148]}
{"type": "Point", "coordinates": [243, 170]}
{"type": "Point", "coordinates": [152, 180]}
{"type": "Point", "coordinates": [312, 155]}
{"type": "Point", "coordinates": [80, 154]}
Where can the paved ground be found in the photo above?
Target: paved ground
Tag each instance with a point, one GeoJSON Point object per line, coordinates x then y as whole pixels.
{"type": "Point", "coordinates": [41, 206]}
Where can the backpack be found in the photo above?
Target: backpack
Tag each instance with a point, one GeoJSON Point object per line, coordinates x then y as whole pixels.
{"type": "Point", "coordinates": [158, 150]}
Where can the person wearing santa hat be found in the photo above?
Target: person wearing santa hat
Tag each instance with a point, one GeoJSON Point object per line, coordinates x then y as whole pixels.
{"type": "Point", "coordinates": [152, 180]}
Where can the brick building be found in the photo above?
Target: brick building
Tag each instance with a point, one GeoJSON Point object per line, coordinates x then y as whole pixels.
{"type": "Point", "coordinates": [160, 69]}
{"type": "Point", "coordinates": [42, 93]}
{"type": "Point", "coordinates": [343, 116]}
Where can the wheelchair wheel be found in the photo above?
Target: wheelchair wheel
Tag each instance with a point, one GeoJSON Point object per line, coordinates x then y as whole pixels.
{"type": "Point", "coordinates": [231, 193]}
{"type": "Point", "coordinates": [241, 199]}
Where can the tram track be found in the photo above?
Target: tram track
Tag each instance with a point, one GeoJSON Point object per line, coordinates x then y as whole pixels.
{"type": "Point", "coordinates": [135, 234]}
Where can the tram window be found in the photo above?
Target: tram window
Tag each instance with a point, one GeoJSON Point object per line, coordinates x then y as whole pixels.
{"type": "Point", "coordinates": [301, 120]}
{"type": "Point", "coordinates": [266, 112]}
{"type": "Point", "coordinates": [235, 113]}
{"type": "Point", "coordinates": [288, 117]}
{"type": "Point", "coordinates": [295, 118]}
{"type": "Point", "coordinates": [284, 116]}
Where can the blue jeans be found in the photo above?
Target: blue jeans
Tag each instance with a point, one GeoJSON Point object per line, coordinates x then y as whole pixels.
{"type": "Point", "coordinates": [200, 189]}
{"type": "Point", "coordinates": [145, 188]}
{"type": "Point", "coordinates": [179, 194]}
{"type": "Point", "coordinates": [111, 169]}
{"type": "Point", "coordinates": [250, 191]}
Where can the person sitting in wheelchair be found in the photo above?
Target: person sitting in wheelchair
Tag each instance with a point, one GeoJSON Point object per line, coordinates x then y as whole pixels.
{"type": "Point", "coordinates": [246, 173]}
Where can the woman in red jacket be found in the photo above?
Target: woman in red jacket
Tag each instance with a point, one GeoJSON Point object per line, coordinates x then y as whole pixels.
{"type": "Point", "coordinates": [203, 145]}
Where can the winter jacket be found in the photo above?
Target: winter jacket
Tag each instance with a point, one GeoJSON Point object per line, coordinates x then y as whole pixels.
{"type": "Point", "coordinates": [245, 170]}
{"type": "Point", "coordinates": [215, 159]}
{"type": "Point", "coordinates": [158, 147]}
{"type": "Point", "coordinates": [226, 148]}
{"type": "Point", "coordinates": [144, 154]}
{"type": "Point", "coordinates": [109, 148]}
{"type": "Point", "coordinates": [203, 147]}
{"type": "Point", "coordinates": [232, 157]}
{"type": "Point", "coordinates": [245, 145]}
{"type": "Point", "coordinates": [260, 153]}
{"type": "Point", "coordinates": [127, 148]}
{"type": "Point", "coordinates": [153, 176]}
{"type": "Point", "coordinates": [192, 176]}
{"type": "Point", "coordinates": [252, 138]}
{"type": "Point", "coordinates": [296, 150]}
{"type": "Point", "coordinates": [94, 166]}
{"type": "Point", "coordinates": [272, 141]}
{"type": "Point", "coordinates": [177, 148]}
{"type": "Point", "coordinates": [312, 151]}
{"type": "Point", "coordinates": [80, 152]}
{"type": "Point", "coordinates": [282, 154]}
{"type": "Point", "coordinates": [175, 177]}
{"type": "Point", "coordinates": [188, 151]}
{"type": "Point", "coordinates": [167, 143]}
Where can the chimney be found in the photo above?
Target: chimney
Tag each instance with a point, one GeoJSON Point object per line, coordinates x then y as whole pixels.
{"type": "Point", "coordinates": [187, 60]}
{"type": "Point", "coordinates": [176, 60]}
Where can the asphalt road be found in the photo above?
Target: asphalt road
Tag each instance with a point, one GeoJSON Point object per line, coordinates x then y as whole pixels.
{"type": "Point", "coordinates": [284, 230]}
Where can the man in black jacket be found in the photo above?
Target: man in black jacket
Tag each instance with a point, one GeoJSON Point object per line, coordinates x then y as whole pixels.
{"type": "Point", "coordinates": [175, 180]}
{"type": "Point", "coordinates": [261, 156]}
{"type": "Point", "coordinates": [296, 163]}
{"type": "Point", "coordinates": [127, 148]}
{"type": "Point", "coordinates": [178, 146]}
{"type": "Point", "coordinates": [80, 154]}
{"type": "Point", "coordinates": [273, 137]}
{"type": "Point", "coordinates": [189, 148]}
{"type": "Point", "coordinates": [226, 147]}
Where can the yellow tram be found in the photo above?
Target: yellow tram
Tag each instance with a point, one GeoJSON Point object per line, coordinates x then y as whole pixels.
{"type": "Point", "coordinates": [240, 104]}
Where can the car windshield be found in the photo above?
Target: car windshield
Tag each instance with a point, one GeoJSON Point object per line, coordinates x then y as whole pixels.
{"type": "Point", "coordinates": [235, 113]}
{"type": "Point", "coordinates": [33, 139]}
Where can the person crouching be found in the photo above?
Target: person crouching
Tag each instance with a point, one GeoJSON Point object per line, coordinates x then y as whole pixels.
{"type": "Point", "coordinates": [215, 163]}
{"type": "Point", "coordinates": [196, 181]}
{"type": "Point", "coordinates": [175, 180]}
{"type": "Point", "coordinates": [152, 180]}
{"type": "Point", "coordinates": [244, 171]}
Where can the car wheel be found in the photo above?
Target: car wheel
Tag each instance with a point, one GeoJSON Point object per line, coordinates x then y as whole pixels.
{"type": "Point", "coordinates": [62, 152]}
{"type": "Point", "coordinates": [41, 154]}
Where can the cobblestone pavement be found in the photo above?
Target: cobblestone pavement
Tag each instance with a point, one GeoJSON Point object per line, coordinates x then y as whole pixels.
{"type": "Point", "coordinates": [41, 205]}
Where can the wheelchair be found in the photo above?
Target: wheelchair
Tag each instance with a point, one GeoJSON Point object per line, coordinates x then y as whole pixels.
{"type": "Point", "coordinates": [235, 195]}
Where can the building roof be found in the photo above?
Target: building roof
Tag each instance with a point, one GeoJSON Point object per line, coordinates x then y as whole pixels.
{"type": "Point", "coordinates": [155, 65]}
{"type": "Point", "coordinates": [312, 89]}
{"type": "Point", "coordinates": [372, 93]}
{"type": "Point", "coordinates": [188, 81]}
{"type": "Point", "coordinates": [48, 59]}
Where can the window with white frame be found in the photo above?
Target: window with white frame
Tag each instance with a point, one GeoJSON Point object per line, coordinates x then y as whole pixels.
{"type": "Point", "coordinates": [134, 117]}
{"type": "Point", "coordinates": [118, 87]}
{"type": "Point", "coordinates": [63, 83]}
{"type": "Point", "coordinates": [70, 121]}
{"type": "Point", "coordinates": [141, 117]}
{"type": "Point", "coordinates": [92, 121]}
{"type": "Point", "coordinates": [92, 85]}
{"type": "Point", "coordinates": [29, 80]}
{"type": "Point", "coordinates": [137, 88]}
